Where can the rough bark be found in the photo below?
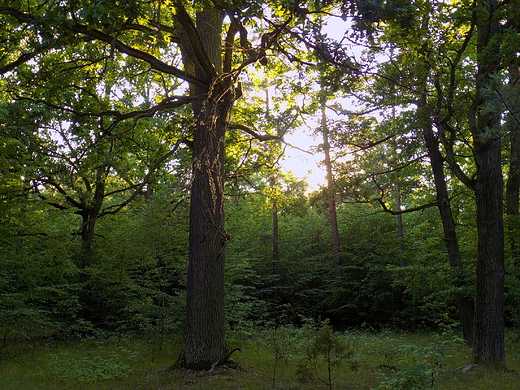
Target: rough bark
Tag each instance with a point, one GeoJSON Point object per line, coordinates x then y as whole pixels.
{"type": "Point", "coordinates": [88, 226]}
{"type": "Point", "coordinates": [204, 343]}
{"type": "Point", "coordinates": [89, 210]}
{"type": "Point", "coordinates": [512, 203]}
{"type": "Point", "coordinates": [489, 345]}
{"type": "Point", "coordinates": [489, 288]}
{"type": "Point", "coordinates": [205, 338]}
{"type": "Point", "coordinates": [89, 219]}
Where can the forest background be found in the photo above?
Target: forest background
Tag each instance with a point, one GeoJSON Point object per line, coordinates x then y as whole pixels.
{"type": "Point", "coordinates": [130, 128]}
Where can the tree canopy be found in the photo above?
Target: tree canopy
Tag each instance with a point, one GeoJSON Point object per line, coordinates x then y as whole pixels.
{"type": "Point", "coordinates": [130, 128]}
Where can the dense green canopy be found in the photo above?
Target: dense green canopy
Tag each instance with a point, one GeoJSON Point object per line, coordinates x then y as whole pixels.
{"type": "Point", "coordinates": [129, 129]}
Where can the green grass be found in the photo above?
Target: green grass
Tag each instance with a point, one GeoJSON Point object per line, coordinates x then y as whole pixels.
{"type": "Point", "coordinates": [378, 361]}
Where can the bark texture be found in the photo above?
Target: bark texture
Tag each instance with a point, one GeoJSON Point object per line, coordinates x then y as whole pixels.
{"type": "Point", "coordinates": [489, 345]}
{"type": "Point", "coordinates": [204, 343]}
{"type": "Point", "coordinates": [204, 339]}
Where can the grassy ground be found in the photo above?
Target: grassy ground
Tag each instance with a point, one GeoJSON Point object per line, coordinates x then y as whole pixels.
{"type": "Point", "coordinates": [282, 359]}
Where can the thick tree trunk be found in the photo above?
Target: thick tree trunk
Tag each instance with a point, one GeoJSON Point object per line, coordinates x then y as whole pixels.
{"type": "Point", "coordinates": [513, 176]}
{"type": "Point", "coordinates": [88, 310]}
{"type": "Point", "coordinates": [489, 345]}
{"type": "Point", "coordinates": [204, 342]}
{"type": "Point", "coordinates": [89, 211]}
{"type": "Point", "coordinates": [87, 239]}
{"type": "Point", "coordinates": [205, 337]}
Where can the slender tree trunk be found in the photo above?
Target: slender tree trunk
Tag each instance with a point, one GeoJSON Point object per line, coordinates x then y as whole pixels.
{"type": "Point", "coordinates": [276, 233]}
{"type": "Point", "coordinates": [513, 176]}
{"type": "Point", "coordinates": [331, 196]}
{"type": "Point", "coordinates": [89, 211]}
{"type": "Point", "coordinates": [463, 303]}
{"type": "Point", "coordinates": [489, 345]}
{"type": "Point", "coordinates": [400, 231]}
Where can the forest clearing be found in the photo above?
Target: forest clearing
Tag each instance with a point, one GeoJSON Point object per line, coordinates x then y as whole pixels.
{"type": "Point", "coordinates": [147, 222]}
{"type": "Point", "coordinates": [269, 359]}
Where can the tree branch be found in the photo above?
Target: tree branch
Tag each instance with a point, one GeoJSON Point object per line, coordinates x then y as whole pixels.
{"type": "Point", "coordinates": [368, 145]}
{"type": "Point", "coordinates": [70, 200]}
{"type": "Point", "coordinates": [194, 40]}
{"type": "Point", "coordinates": [145, 181]}
{"type": "Point", "coordinates": [386, 209]}
{"type": "Point", "coordinates": [154, 62]}
{"type": "Point", "coordinates": [253, 133]}
{"type": "Point", "coordinates": [21, 60]}
{"type": "Point", "coordinates": [166, 104]}
{"type": "Point", "coordinates": [20, 16]}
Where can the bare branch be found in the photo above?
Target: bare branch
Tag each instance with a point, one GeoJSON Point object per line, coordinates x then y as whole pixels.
{"type": "Point", "coordinates": [386, 209]}
{"type": "Point", "coordinates": [369, 145]}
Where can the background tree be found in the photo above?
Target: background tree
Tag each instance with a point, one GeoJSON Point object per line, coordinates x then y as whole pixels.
{"type": "Point", "coordinates": [482, 119]}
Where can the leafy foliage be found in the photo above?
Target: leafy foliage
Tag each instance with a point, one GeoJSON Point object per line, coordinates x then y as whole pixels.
{"type": "Point", "coordinates": [96, 149]}
{"type": "Point", "coordinates": [88, 369]}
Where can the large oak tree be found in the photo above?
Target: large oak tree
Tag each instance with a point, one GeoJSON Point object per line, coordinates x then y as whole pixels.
{"type": "Point", "coordinates": [176, 40]}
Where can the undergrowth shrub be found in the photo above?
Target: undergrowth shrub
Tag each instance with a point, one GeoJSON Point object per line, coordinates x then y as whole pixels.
{"type": "Point", "coordinates": [283, 346]}
{"type": "Point", "coordinates": [88, 369]}
{"type": "Point", "coordinates": [417, 368]}
{"type": "Point", "coordinates": [326, 355]}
